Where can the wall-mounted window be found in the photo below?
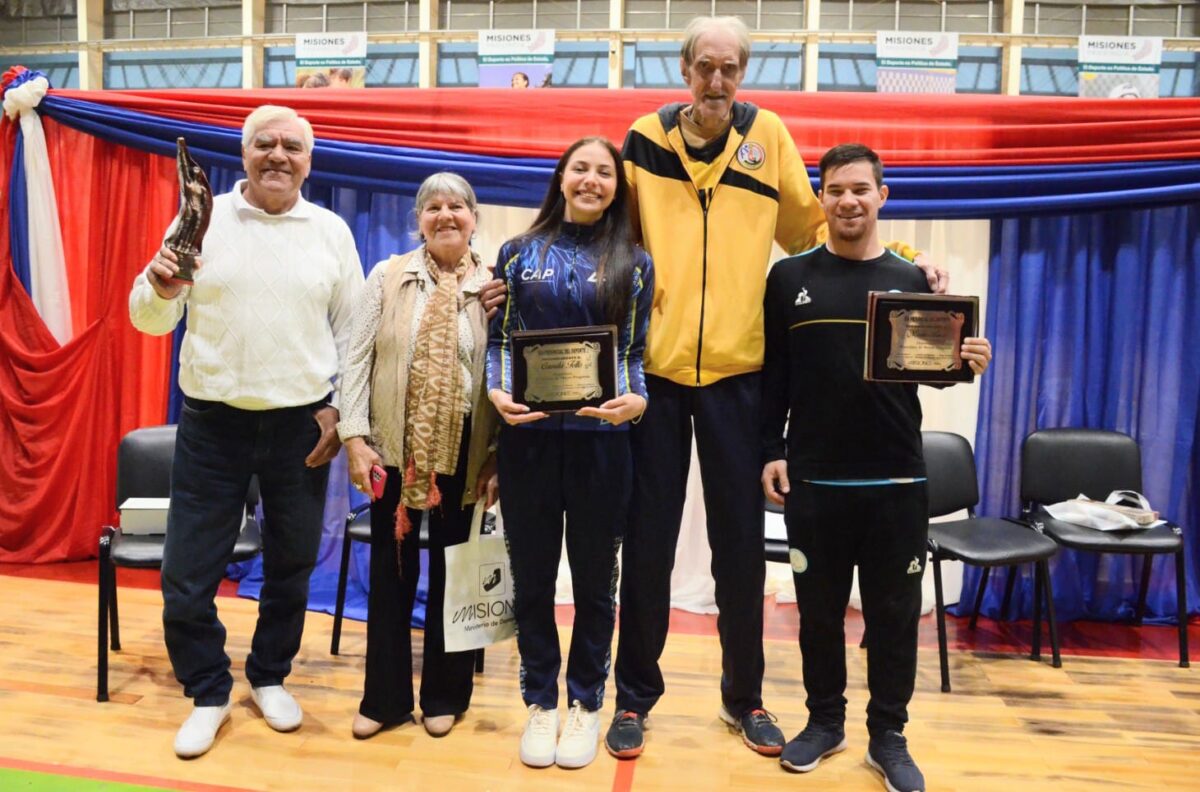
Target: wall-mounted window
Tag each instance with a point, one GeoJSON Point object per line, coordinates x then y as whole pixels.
{"type": "Point", "coordinates": [20, 27]}
{"type": "Point", "coordinates": [208, 68]}
{"type": "Point", "coordinates": [522, 14]}
{"type": "Point", "coordinates": [145, 19]}
{"type": "Point", "coordinates": [1180, 74]}
{"type": "Point", "coordinates": [1049, 72]}
{"type": "Point", "coordinates": [871, 15]}
{"type": "Point", "coordinates": [61, 70]}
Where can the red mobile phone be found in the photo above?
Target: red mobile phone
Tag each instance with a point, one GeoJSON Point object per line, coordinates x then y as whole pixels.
{"type": "Point", "coordinates": [378, 480]}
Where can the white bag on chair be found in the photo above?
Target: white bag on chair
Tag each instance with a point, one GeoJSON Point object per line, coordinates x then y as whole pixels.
{"type": "Point", "coordinates": [478, 610]}
{"type": "Point", "coordinates": [1107, 515]}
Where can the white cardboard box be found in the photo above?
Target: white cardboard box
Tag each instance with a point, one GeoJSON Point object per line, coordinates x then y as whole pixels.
{"type": "Point", "coordinates": [144, 515]}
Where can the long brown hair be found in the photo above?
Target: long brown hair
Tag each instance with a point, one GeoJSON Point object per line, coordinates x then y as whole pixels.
{"type": "Point", "coordinates": [614, 232]}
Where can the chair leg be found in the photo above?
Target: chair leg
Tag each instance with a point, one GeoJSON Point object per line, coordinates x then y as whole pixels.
{"type": "Point", "coordinates": [1143, 588]}
{"type": "Point", "coordinates": [983, 581]}
{"type": "Point", "coordinates": [102, 620]}
{"type": "Point", "coordinates": [114, 621]}
{"type": "Point", "coordinates": [1056, 659]}
{"type": "Point", "coordinates": [340, 606]}
{"type": "Point", "coordinates": [1012, 573]}
{"type": "Point", "coordinates": [478, 661]}
{"type": "Point", "coordinates": [1035, 652]}
{"type": "Point", "coordinates": [1181, 605]}
{"type": "Point", "coordinates": [943, 658]}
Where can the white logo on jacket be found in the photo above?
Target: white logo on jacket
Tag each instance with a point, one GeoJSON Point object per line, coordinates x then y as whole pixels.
{"type": "Point", "coordinates": [537, 274]}
{"type": "Point", "coordinates": [802, 298]}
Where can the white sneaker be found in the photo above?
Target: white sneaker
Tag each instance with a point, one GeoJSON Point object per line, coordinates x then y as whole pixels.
{"type": "Point", "coordinates": [198, 732]}
{"type": "Point", "coordinates": [278, 708]}
{"type": "Point", "coordinates": [541, 734]}
{"type": "Point", "coordinates": [581, 733]}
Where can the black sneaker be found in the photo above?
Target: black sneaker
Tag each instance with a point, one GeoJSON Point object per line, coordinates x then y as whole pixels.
{"type": "Point", "coordinates": [758, 730]}
{"type": "Point", "coordinates": [806, 750]}
{"type": "Point", "coordinates": [626, 735]}
{"type": "Point", "coordinates": [888, 753]}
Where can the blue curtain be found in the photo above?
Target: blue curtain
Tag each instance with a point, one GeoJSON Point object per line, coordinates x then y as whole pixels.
{"type": "Point", "coordinates": [1095, 319]}
{"type": "Point", "coordinates": [381, 223]}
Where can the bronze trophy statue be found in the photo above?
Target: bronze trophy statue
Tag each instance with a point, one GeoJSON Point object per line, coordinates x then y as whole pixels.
{"type": "Point", "coordinates": [195, 211]}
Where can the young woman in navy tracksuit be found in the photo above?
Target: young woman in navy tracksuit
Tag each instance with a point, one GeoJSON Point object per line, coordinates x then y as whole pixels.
{"type": "Point", "coordinates": [577, 265]}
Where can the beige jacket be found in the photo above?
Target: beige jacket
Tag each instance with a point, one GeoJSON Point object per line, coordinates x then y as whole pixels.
{"type": "Point", "coordinates": [373, 388]}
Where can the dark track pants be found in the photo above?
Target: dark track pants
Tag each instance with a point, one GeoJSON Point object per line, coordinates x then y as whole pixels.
{"type": "Point", "coordinates": [725, 417]}
{"type": "Point", "coordinates": [447, 678]}
{"type": "Point", "coordinates": [882, 530]}
{"type": "Point", "coordinates": [587, 475]}
{"type": "Point", "coordinates": [217, 449]}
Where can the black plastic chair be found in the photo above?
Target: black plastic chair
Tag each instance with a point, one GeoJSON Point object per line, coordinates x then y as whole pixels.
{"type": "Point", "coordinates": [1060, 464]}
{"type": "Point", "coordinates": [979, 541]}
{"type": "Point", "coordinates": [358, 529]}
{"type": "Point", "coordinates": [144, 460]}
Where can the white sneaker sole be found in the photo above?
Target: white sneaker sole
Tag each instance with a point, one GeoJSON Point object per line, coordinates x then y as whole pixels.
{"type": "Point", "coordinates": [887, 784]}
{"type": "Point", "coordinates": [813, 765]}
{"type": "Point", "coordinates": [735, 726]}
{"type": "Point", "coordinates": [575, 762]}
{"type": "Point", "coordinates": [531, 760]}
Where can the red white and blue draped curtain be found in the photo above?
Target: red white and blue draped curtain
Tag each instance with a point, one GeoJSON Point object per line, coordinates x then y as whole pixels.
{"type": "Point", "coordinates": [1043, 169]}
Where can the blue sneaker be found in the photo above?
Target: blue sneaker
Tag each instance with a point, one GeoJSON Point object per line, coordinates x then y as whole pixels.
{"type": "Point", "coordinates": [888, 753]}
{"type": "Point", "coordinates": [758, 730]}
{"type": "Point", "coordinates": [806, 750]}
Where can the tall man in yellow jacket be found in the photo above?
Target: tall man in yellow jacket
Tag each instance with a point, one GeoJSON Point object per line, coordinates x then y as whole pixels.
{"type": "Point", "coordinates": [716, 182]}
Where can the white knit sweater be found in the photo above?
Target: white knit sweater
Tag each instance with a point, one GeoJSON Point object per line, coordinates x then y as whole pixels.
{"type": "Point", "coordinates": [269, 313]}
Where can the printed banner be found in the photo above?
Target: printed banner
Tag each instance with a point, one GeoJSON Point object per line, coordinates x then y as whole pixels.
{"type": "Point", "coordinates": [331, 60]}
{"type": "Point", "coordinates": [914, 62]}
{"type": "Point", "coordinates": [1119, 67]}
{"type": "Point", "coordinates": [516, 58]}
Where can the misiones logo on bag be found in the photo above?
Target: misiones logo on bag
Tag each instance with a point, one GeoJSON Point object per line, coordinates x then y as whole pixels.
{"type": "Point", "coordinates": [479, 611]}
{"type": "Point", "coordinates": [491, 580]}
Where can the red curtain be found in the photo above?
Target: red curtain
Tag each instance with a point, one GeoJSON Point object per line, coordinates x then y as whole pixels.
{"type": "Point", "coordinates": [64, 408]}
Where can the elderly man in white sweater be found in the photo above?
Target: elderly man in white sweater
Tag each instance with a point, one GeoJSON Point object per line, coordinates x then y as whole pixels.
{"type": "Point", "coordinates": [267, 329]}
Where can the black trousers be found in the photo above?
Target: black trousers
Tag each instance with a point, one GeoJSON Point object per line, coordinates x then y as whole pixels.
{"type": "Point", "coordinates": [882, 530]}
{"type": "Point", "coordinates": [217, 449]}
{"type": "Point", "coordinates": [725, 418]}
{"type": "Point", "coordinates": [447, 678]}
{"type": "Point", "coordinates": [587, 476]}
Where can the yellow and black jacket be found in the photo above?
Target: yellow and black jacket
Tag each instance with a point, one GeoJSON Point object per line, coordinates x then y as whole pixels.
{"type": "Point", "coordinates": [709, 228]}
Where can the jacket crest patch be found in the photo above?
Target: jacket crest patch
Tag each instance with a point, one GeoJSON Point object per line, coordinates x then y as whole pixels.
{"type": "Point", "coordinates": [751, 155]}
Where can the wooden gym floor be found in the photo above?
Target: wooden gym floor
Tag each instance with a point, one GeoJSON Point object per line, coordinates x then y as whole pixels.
{"type": "Point", "coordinates": [1110, 718]}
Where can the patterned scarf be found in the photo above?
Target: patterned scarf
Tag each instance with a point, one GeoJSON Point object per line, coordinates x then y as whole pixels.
{"type": "Point", "coordinates": [433, 405]}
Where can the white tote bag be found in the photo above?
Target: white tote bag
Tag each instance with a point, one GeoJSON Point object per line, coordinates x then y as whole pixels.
{"type": "Point", "coordinates": [479, 594]}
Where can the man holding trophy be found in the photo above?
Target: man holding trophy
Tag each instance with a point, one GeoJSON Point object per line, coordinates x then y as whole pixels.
{"type": "Point", "coordinates": [851, 472]}
{"type": "Point", "coordinates": [269, 306]}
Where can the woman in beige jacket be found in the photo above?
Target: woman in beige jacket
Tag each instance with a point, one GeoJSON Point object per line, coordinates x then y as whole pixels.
{"type": "Point", "coordinates": [413, 402]}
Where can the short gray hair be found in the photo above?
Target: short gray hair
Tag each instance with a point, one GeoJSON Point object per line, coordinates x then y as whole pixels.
{"type": "Point", "coordinates": [444, 183]}
{"type": "Point", "coordinates": [265, 114]}
{"type": "Point", "coordinates": [704, 24]}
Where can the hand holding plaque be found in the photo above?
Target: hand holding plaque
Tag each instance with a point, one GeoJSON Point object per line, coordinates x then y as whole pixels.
{"type": "Point", "coordinates": [195, 212]}
{"type": "Point", "coordinates": [919, 337]}
{"type": "Point", "coordinates": [565, 369]}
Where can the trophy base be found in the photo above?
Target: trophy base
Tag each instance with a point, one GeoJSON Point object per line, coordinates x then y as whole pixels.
{"type": "Point", "coordinates": [187, 267]}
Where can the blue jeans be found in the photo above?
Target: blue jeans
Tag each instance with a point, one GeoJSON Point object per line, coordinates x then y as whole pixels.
{"type": "Point", "coordinates": [217, 450]}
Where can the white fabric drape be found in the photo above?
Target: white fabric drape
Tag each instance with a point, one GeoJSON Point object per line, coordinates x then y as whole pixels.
{"type": "Point", "coordinates": [47, 262]}
{"type": "Point", "coordinates": [961, 246]}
